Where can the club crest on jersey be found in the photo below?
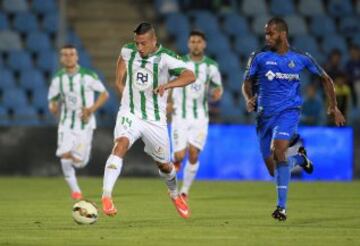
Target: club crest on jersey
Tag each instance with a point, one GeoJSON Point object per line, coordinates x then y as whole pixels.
{"type": "Point", "coordinates": [291, 64]}
{"type": "Point", "coordinates": [143, 78]}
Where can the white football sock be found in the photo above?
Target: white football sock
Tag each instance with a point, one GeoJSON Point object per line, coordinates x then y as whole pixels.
{"type": "Point", "coordinates": [112, 171]}
{"type": "Point", "coordinates": [171, 182]}
{"type": "Point", "coordinates": [190, 171]}
{"type": "Point", "coordinates": [69, 174]}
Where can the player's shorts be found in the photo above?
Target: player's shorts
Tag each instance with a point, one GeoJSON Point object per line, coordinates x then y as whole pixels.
{"type": "Point", "coordinates": [280, 126]}
{"type": "Point", "coordinates": [184, 132]}
{"type": "Point", "coordinates": [77, 142]}
{"type": "Point", "coordinates": [154, 135]}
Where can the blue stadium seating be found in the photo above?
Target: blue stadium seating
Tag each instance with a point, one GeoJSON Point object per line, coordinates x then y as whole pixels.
{"type": "Point", "coordinates": [14, 98]}
{"type": "Point", "coordinates": [322, 25]}
{"type": "Point", "coordinates": [334, 42]}
{"type": "Point", "coordinates": [297, 24]}
{"type": "Point", "coordinates": [50, 23]}
{"type": "Point", "coordinates": [349, 26]}
{"type": "Point", "coordinates": [47, 61]}
{"type": "Point", "coordinates": [177, 24]}
{"type": "Point", "coordinates": [356, 39]}
{"type": "Point", "coordinates": [311, 7]}
{"type": "Point", "coordinates": [25, 22]}
{"type": "Point", "coordinates": [306, 43]}
{"type": "Point", "coordinates": [25, 116]}
{"type": "Point", "coordinates": [44, 6]}
{"type": "Point", "coordinates": [74, 39]}
{"type": "Point", "coordinates": [340, 8]}
{"type": "Point", "coordinates": [4, 117]}
{"type": "Point", "coordinates": [7, 80]}
{"type": "Point", "coordinates": [254, 7]}
{"type": "Point", "coordinates": [84, 59]}
{"type": "Point", "coordinates": [38, 41]}
{"type": "Point", "coordinates": [15, 6]}
{"type": "Point", "coordinates": [234, 81]}
{"type": "Point", "coordinates": [235, 24]}
{"type": "Point", "coordinates": [4, 24]}
{"type": "Point", "coordinates": [228, 63]}
{"type": "Point", "coordinates": [218, 45]}
{"type": "Point", "coordinates": [39, 99]}
{"type": "Point", "coordinates": [259, 23]}
{"type": "Point", "coordinates": [19, 60]}
{"type": "Point", "coordinates": [246, 44]}
{"type": "Point", "coordinates": [9, 40]}
{"type": "Point", "coordinates": [282, 7]}
{"type": "Point", "coordinates": [32, 80]}
{"type": "Point", "coordinates": [181, 44]}
{"type": "Point", "coordinates": [206, 22]}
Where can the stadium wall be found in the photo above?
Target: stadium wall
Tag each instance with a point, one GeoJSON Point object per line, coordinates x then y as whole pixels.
{"type": "Point", "coordinates": [231, 153]}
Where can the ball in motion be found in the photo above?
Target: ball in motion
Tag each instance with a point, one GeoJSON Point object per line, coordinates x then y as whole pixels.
{"type": "Point", "coordinates": [84, 212]}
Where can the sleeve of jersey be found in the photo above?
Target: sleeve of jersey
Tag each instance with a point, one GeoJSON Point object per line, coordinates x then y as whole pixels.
{"type": "Point", "coordinates": [312, 65]}
{"type": "Point", "coordinates": [175, 64]}
{"type": "Point", "coordinates": [96, 85]}
{"type": "Point", "coordinates": [251, 67]}
{"type": "Point", "coordinates": [125, 53]}
{"type": "Point", "coordinates": [54, 90]}
{"type": "Point", "coordinates": [215, 76]}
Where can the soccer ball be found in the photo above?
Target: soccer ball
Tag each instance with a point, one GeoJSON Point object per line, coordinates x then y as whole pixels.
{"type": "Point", "coordinates": [84, 212]}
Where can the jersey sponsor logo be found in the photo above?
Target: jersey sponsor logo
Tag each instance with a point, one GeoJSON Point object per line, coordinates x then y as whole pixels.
{"type": "Point", "coordinates": [72, 100]}
{"type": "Point", "coordinates": [143, 78]}
{"type": "Point", "coordinates": [291, 64]}
{"type": "Point", "coordinates": [271, 63]}
{"type": "Point", "coordinates": [283, 133]}
{"type": "Point", "coordinates": [196, 89]}
{"type": "Point", "coordinates": [285, 76]}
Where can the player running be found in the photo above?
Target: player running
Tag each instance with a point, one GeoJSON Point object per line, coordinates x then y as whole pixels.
{"type": "Point", "coordinates": [276, 71]}
{"type": "Point", "coordinates": [73, 90]}
{"type": "Point", "coordinates": [146, 66]}
{"type": "Point", "coordinates": [190, 116]}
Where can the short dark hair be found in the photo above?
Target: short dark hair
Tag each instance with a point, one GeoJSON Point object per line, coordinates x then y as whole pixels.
{"type": "Point", "coordinates": [198, 33]}
{"type": "Point", "coordinates": [280, 23]}
{"type": "Point", "coordinates": [143, 28]}
{"type": "Point", "coordinates": [68, 46]}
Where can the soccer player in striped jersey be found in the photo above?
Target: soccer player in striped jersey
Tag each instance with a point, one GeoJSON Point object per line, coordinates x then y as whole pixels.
{"type": "Point", "coordinates": [146, 67]}
{"type": "Point", "coordinates": [190, 109]}
{"type": "Point", "coordinates": [276, 71]}
{"type": "Point", "coordinates": [73, 91]}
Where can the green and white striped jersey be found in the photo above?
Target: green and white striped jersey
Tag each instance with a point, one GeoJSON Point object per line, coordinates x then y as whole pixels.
{"type": "Point", "coordinates": [143, 76]}
{"type": "Point", "coordinates": [191, 102]}
{"type": "Point", "coordinates": [75, 92]}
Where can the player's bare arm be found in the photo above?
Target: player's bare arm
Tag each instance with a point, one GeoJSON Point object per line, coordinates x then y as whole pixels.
{"type": "Point", "coordinates": [248, 95]}
{"type": "Point", "coordinates": [54, 107]}
{"type": "Point", "coordinates": [100, 101]}
{"type": "Point", "coordinates": [120, 75]}
{"type": "Point", "coordinates": [186, 77]}
{"type": "Point", "coordinates": [330, 94]}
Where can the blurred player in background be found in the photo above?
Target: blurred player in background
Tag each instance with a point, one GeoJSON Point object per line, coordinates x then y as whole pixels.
{"type": "Point", "coordinates": [73, 90]}
{"type": "Point", "coordinates": [276, 71]}
{"type": "Point", "coordinates": [145, 67]}
{"type": "Point", "coordinates": [190, 109]}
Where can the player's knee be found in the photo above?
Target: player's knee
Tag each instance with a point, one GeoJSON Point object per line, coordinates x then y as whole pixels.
{"type": "Point", "coordinates": [193, 154]}
{"type": "Point", "coordinates": [165, 167]}
{"type": "Point", "coordinates": [121, 146]}
{"type": "Point", "coordinates": [279, 154]}
{"type": "Point", "coordinates": [179, 156]}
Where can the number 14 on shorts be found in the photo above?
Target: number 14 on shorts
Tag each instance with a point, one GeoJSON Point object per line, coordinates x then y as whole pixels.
{"type": "Point", "coordinates": [126, 122]}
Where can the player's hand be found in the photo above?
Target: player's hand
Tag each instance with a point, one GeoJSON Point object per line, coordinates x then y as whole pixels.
{"type": "Point", "coordinates": [85, 114]}
{"type": "Point", "coordinates": [339, 119]}
{"type": "Point", "coordinates": [54, 108]}
{"type": "Point", "coordinates": [216, 95]}
{"type": "Point", "coordinates": [160, 90]}
{"type": "Point", "coordinates": [250, 104]}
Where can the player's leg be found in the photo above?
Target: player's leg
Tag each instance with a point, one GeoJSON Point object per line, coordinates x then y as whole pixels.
{"type": "Point", "coordinates": [66, 142]}
{"type": "Point", "coordinates": [157, 145]}
{"type": "Point", "coordinates": [179, 141]}
{"type": "Point", "coordinates": [297, 155]}
{"type": "Point", "coordinates": [123, 141]}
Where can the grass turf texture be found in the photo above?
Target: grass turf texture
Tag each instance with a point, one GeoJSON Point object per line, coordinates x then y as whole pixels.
{"type": "Point", "coordinates": [37, 211]}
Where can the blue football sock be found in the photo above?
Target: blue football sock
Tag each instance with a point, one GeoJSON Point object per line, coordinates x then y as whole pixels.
{"type": "Point", "coordinates": [282, 177]}
{"type": "Point", "coordinates": [296, 160]}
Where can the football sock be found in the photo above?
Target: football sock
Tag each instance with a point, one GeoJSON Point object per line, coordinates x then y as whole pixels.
{"type": "Point", "coordinates": [171, 182]}
{"type": "Point", "coordinates": [69, 174]}
{"type": "Point", "coordinates": [112, 171]}
{"type": "Point", "coordinates": [190, 171]}
{"type": "Point", "coordinates": [282, 178]}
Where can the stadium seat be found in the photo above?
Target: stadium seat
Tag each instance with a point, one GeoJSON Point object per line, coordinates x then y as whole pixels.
{"type": "Point", "coordinates": [4, 24]}
{"type": "Point", "coordinates": [47, 61]}
{"type": "Point", "coordinates": [177, 24]}
{"type": "Point", "coordinates": [235, 24]}
{"type": "Point", "coordinates": [297, 25]}
{"type": "Point", "coordinates": [25, 22]}
{"type": "Point", "coordinates": [218, 45]}
{"type": "Point", "coordinates": [164, 7]}
{"type": "Point", "coordinates": [32, 79]}
{"type": "Point", "coordinates": [39, 99]}
{"type": "Point", "coordinates": [259, 23]}
{"type": "Point", "coordinates": [25, 116]}
{"type": "Point", "coordinates": [50, 23]}
{"type": "Point", "coordinates": [306, 43]}
{"type": "Point", "coordinates": [84, 59]}
{"type": "Point", "coordinates": [254, 7]}
{"type": "Point", "coordinates": [19, 60]}
{"type": "Point", "coordinates": [206, 22]}
{"type": "Point", "coordinates": [4, 117]}
{"type": "Point", "coordinates": [340, 8]}
{"type": "Point", "coordinates": [9, 40]}
{"type": "Point", "coordinates": [74, 39]}
{"type": "Point", "coordinates": [15, 6]}
{"type": "Point", "coordinates": [322, 25]}
{"type": "Point", "coordinates": [38, 41]}
{"type": "Point", "coordinates": [356, 39]}
{"type": "Point", "coordinates": [14, 98]}
{"type": "Point", "coordinates": [349, 26]}
{"type": "Point", "coordinates": [246, 44]}
{"type": "Point", "coordinates": [228, 63]}
{"type": "Point", "coordinates": [1, 62]}
{"type": "Point", "coordinates": [181, 44]}
{"type": "Point", "coordinates": [228, 109]}
{"type": "Point", "coordinates": [282, 7]}
{"type": "Point", "coordinates": [7, 80]}
{"type": "Point", "coordinates": [44, 6]}
{"type": "Point", "coordinates": [332, 42]}
{"type": "Point", "coordinates": [311, 7]}
{"type": "Point", "coordinates": [234, 81]}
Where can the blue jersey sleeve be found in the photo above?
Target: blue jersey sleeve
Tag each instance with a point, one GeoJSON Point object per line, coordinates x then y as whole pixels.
{"type": "Point", "coordinates": [312, 65]}
{"type": "Point", "coordinates": [251, 67]}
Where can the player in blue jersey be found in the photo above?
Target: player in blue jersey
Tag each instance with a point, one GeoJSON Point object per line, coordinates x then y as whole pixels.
{"type": "Point", "coordinates": [275, 71]}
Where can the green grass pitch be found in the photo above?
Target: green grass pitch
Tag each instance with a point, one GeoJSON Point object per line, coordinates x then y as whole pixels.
{"type": "Point", "coordinates": [37, 211]}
